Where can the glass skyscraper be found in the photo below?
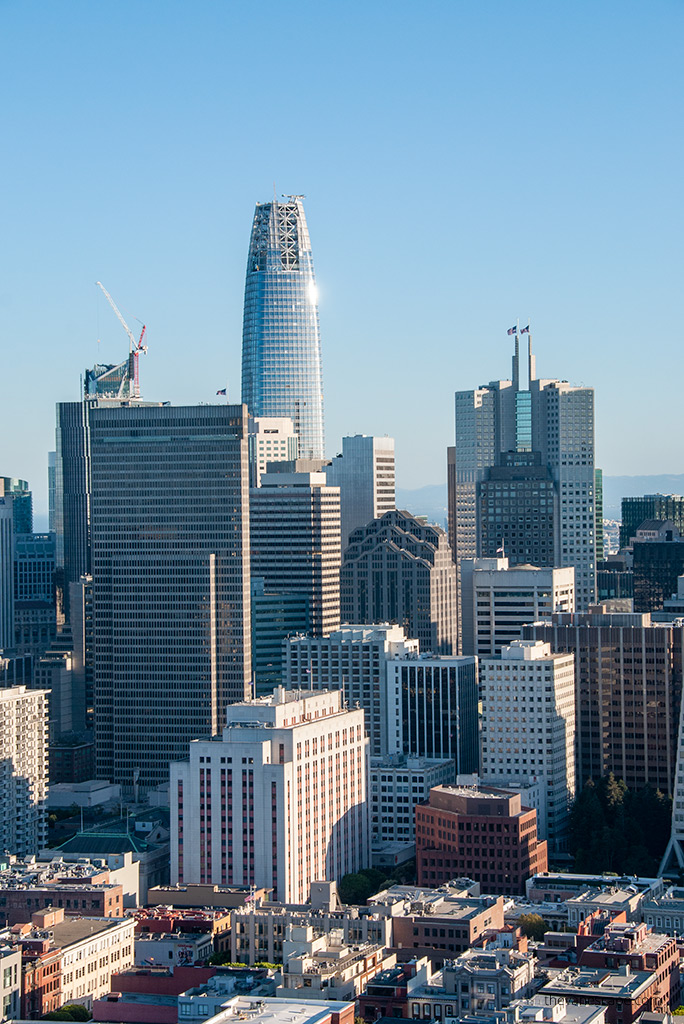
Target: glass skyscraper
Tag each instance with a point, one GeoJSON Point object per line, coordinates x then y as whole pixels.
{"type": "Point", "coordinates": [281, 342]}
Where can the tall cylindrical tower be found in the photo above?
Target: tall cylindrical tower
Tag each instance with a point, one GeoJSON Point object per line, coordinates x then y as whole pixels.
{"type": "Point", "coordinates": [281, 341]}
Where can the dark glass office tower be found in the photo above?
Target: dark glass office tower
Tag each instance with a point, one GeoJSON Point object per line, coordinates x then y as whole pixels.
{"type": "Point", "coordinates": [281, 342]}
{"type": "Point", "coordinates": [171, 599]}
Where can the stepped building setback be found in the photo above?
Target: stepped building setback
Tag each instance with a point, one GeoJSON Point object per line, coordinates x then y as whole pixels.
{"type": "Point", "coordinates": [397, 569]}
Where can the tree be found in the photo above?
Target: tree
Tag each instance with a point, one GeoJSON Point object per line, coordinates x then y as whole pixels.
{"type": "Point", "coordinates": [533, 925]}
{"type": "Point", "coordinates": [355, 888]}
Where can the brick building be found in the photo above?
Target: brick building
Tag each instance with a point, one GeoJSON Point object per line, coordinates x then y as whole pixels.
{"type": "Point", "coordinates": [95, 899]}
{"type": "Point", "coordinates": [484, 833]}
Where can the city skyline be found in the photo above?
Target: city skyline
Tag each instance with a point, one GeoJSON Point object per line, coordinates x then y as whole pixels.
{"type": "Point", "coordinates": [512, 143]}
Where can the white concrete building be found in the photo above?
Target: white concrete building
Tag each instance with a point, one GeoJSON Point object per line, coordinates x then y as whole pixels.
{"type": "Point", "coordinates": [364, 473]}
{"type": "Point", "coordinates": [528, 728]}
{"type": "Point", "coordinates": [10, 978]}
{"type": "Point", "coordinates": [397, 784]}
{"type": "Point", "coordinates": [93, 948]}
{"type": "Point", "coordinates": [271, 439]}
{"type": "Point", "coordinates": [498, 600]}
{"type": "Point", "coordinates": [23, 769]}
{"type": "Point", "coordinates": [353, 659]}
{"type": "Point", "coordinates": [279, 800]}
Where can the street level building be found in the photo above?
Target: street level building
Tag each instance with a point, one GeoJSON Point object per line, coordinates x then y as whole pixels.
{"type": "Point", "coordinates": [295, 760]}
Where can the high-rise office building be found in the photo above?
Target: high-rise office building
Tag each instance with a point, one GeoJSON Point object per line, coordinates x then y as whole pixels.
{"type": "Point", "coordinates": [364, 473]}
{"type": "Point", "coordinates": [521, 474]}
{"type": "Point", "coordinates": [102, 386]}
{"type": "Point", "coordinates": [354, 659]}
{"type": "Point", "coordinates": [22, 502]}
{"type": "Point", "coordinates": [23, 770]}
{"type": "Point", "coordinates": [6, 573]}
{"type": "Point", "coordinates": [275, 616]}
{"type": "Point", "coordinates": [295, 541]}
{"type": "Point", "coordinates": [628, 692]}
{"type": "Point", "coordinates": [528, 728]}
{"type": "Point", "coordinates": [398, 569]}
{"type": "Point", "coordinates": [281, 344]}
{"type": "Point", "coordinates": [52, 489]}
{"type": "Point", "coordinates": [657, 562]}
{"type": "Point", "coordinates": [271, 439]}
{"type": "Point", "coordinates": [435, 702]}
{"type": "Point", "coordinates": [497, 600]}
{"type": "Point", "coordinates": [35, 612]}
{"type": "Point", "coordinates": [171, 600]}
{"type": "Point", "coordinates": [636, 510]}
{"type": "Point", "coordinates": [279, 801]}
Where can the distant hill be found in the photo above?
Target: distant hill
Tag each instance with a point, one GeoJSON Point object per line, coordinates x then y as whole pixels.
{"type": "Point", "coordinates": [431, 501]}
{"type": "Point", "coordinates": [615, 488]}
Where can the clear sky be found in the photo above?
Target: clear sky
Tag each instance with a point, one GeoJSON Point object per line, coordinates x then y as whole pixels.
{"type": "Point", "coordinates": [465, 164]}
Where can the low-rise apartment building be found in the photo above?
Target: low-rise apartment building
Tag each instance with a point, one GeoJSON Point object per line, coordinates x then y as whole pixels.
{"type": "Point", "coordinates": [92, 950]}
{"type": "Point", "coordinates": [326, 967]}
{"type": "Point", "coordinates": [475, 982]}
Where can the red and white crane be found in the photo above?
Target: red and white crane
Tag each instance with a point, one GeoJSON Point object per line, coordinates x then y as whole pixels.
{"type": "Point", "coordinates": [135, 347]}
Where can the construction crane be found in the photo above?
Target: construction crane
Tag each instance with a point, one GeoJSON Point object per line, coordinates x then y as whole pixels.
{"type": "Point", "coordinates": [135, 347]}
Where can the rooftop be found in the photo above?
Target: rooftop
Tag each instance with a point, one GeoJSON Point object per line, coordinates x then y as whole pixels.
{"type": "Point", "coordinates": [623, 983]}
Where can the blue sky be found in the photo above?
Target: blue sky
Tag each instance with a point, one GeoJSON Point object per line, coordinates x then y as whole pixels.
{"type": "Point", "coordinates": [464, 164]}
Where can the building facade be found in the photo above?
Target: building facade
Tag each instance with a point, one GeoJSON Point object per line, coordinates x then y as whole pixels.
{"type": "Point", "coordinates": [528, 728]}
{"type": "Point", "coordinates": [23, 770]}
{"type": "Point", "coordinates": [281, 344]}
{"type": "Point", "coordinates": [271, 439]}
{"type": "Point", "coordinates": [636, 510]}
{"type": "Point", "coordinates": [364, 473]}
{"type": "Point", "coordinates": [6, 575]}
{"type": "Point", "coordinates": [497, 600]}
{"type": "Point", "coordinates": [513, 440]}
{"type": "Point", "coordinates": [171, 599]}
{"type": "Point", "coordinates": [628, 693]}
{"type": "Point", "coordinates": [397, 784]}
{"type": "Point", "coordinates": [437, 700]}
{"type": "Point", "coordinates": [353, 659]}
{"type": "Point", "coordinates": [298, 761]}
{"type": "Point", "coordinates": [397, 569]}
{"type": "Point", "coordinates": [484, 834]}
{"type": "Point", "coordinates": [294, 521]}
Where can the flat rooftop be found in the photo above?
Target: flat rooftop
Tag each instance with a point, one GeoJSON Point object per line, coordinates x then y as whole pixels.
{"type": "Point", "coordinates": [598, 982]}
{"type": "Point", "coordinates": [74, 929]}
